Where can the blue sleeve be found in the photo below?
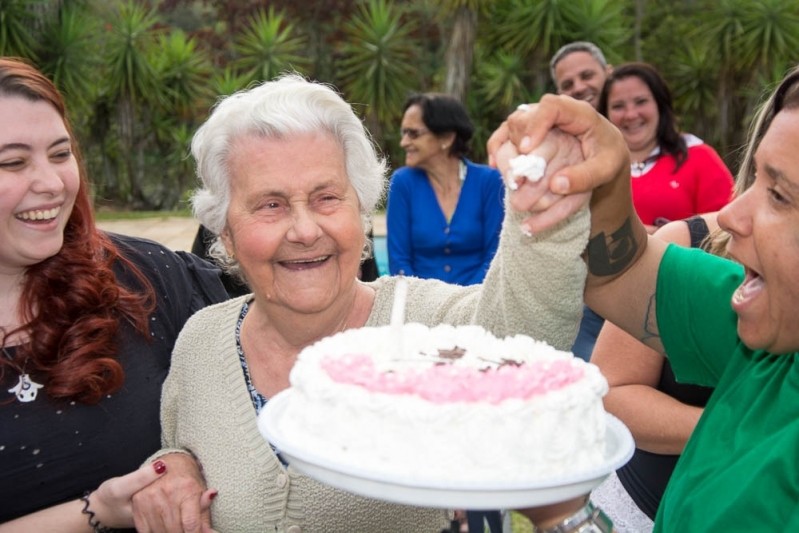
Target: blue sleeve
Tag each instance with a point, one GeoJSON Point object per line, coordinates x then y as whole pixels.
{"type": "Point", "coordinates": [493, 214]}
{"type": "Point", "coordinates": [398, 225]}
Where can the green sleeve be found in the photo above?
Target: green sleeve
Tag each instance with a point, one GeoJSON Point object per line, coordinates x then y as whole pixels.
{"type": "Point", "coordinates": [697, 325]}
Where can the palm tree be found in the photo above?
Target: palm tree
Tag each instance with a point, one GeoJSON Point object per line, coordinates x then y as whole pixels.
{"type": "Point", "coordinates": [67, 55]}
{"type": "Point", "coordinates": [750, 39]}
{"type": "Point", "coordinates": [182, 69]}
{"type": "Point", "coordinates": [131, 82]}
{"type": "Point", "coordinates": [377, 64]}
{"type": "Point", "coordinates": [226, 82]}
{"type": "Point", "coordinates": [269, 45]}
{"type": "Point", "coordinates": [461, 44]}
{"type": "Point", "coordinates": [17, 37]}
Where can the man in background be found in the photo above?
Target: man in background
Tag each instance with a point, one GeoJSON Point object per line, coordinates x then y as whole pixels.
{"type": "Point", "coordinates": [579, 70]}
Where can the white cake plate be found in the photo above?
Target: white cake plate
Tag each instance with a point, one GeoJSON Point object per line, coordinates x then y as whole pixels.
{"type": "Point", "coordinates": [444, 494]}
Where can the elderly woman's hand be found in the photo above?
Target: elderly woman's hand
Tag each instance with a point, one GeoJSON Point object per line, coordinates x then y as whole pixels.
{"type": "Point", "coordinates": [531, 194]}
{"type": "Point", "coordinates": [177, 502]}
{"type": "Point", "coordinates": [604, 158]}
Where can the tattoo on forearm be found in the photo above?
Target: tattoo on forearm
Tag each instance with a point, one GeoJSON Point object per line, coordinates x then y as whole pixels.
{"type": "Point", "coordinates": [650, 325]}
{"type": "Point", "coordinates": [609, 256]}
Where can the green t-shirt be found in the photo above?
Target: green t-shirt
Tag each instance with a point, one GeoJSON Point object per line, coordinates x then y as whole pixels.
{"type": "Point", "coordinates": [740, 469]}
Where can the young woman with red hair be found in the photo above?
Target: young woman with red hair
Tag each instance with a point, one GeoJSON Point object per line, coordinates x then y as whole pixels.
{"type": "Point", "coordinates": [87, 325]}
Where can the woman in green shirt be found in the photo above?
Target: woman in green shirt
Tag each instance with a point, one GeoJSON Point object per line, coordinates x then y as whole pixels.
{"type": "Point", "coordinates": [732, 327]}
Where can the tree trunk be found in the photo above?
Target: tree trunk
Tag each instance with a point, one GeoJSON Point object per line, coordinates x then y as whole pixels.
{"type": "Point", "coordinates": [460, 53]}
{"type": "Point", "coordinates": [639, 19]}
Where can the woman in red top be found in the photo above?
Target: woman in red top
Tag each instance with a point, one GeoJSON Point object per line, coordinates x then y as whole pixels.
{"type": "Point", "coordinates": [674, 175]}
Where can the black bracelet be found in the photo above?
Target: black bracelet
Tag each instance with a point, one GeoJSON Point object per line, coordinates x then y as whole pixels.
{"type": "Point", "coordinates": [93, 522]}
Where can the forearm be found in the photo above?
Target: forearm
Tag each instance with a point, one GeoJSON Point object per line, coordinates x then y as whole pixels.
{"type": "Point", "coordinates": [65, 518]}
{"type": "Point", "coordinates": [658, 422]}
{"type": "Point", "coordinates": [535, 283]}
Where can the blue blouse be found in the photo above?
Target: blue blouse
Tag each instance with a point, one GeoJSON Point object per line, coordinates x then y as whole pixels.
{"type": "Point", "coordinates": [422, 243]}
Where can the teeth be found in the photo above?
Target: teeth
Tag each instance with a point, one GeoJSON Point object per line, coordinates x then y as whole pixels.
{"type": "Point", "coordinates": [39, 214]}
{"type": "Point", "coordinates": [303, 261]}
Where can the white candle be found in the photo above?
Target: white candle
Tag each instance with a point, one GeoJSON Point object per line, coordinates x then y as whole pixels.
{"type": "Point", "coordinates": [398, 309]}
{"type": "Point", "coordinates": [398, 312]}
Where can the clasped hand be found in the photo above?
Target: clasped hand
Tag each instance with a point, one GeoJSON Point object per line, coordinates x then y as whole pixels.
{"type": "Point", "coordinates": [583, 152]}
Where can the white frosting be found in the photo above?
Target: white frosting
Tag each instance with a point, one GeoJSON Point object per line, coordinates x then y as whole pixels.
{"type": "Point", "coordinates": [548, 434]}
{"type": "Point", "coordinates": [531, 167]}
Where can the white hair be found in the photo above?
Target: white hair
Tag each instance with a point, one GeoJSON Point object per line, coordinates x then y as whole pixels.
{"type": "Point", "coordinates": [288, 105]}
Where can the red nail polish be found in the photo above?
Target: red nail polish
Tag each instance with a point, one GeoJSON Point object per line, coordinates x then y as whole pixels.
{"type": "Point", "coordinates": [212, 495]}
{"type": "Point", "coordinates": [159, 467]}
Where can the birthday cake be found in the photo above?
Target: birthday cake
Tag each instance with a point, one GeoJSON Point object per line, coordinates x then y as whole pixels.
{"type": "Point", "coordinates": [452, 404]}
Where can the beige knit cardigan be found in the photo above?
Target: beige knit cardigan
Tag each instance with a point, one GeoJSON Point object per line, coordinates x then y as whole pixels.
{"type": "Point", "coordinates": [534, 286]}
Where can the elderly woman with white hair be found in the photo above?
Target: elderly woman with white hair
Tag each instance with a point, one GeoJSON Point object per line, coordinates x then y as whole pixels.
{"type": "Point", "coordinates": [290, 178]}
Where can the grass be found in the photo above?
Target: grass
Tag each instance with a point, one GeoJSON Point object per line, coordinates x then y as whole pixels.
{"type": "Point", "coordinates": [106, 214]}
{"type": "Point", "coordinates": [520, 523]}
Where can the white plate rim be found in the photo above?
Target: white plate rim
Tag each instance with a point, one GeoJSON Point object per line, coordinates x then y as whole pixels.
{"type": "Point", "coordinates": [407, 490]}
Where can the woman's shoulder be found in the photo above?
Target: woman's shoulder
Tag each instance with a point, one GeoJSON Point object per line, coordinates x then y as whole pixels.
{"type": "Point", "coordinates": [408, 173]}
{"type": "Point", "coordinates": [484, 171]}
{"type": "Point", "coordinates": [699, 148]}
{"type": "Point", "coordinates": [211, 316]}
{"type": "Point", "coordinates": [175, 270]}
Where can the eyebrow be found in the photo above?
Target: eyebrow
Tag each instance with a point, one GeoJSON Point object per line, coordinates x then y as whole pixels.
{"type": "Point", "coordinates": [780, 177]}
{"type": "Point", "coordinates": [282, 194]}
{"type": "Point", "coordinates": [23, 146]}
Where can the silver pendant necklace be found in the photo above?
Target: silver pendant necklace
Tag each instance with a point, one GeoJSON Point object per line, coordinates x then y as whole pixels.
{"type": "Point", "coordinates": [26, 389]}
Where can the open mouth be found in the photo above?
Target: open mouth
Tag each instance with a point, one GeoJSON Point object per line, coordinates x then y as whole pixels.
{"type": "Point", "coordinates": [752, 285]}
{"type": "Point", "coordinates": [39, 215]}
{"type": "Point", "coordinates": [305, 264]}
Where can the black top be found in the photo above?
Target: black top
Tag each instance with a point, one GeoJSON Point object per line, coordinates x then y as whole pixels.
{"type": "Point", "coordinates": [646, 475]}
{"type": "Point", "coordinates": [52, 451]}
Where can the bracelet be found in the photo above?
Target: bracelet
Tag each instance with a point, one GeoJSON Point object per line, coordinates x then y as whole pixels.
{"type": "Point", "coordinates": [95, 524]}
{"type": "Point", "coordinates": [588, 519]}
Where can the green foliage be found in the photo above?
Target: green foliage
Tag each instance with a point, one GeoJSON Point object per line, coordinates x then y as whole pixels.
{"type": "Point", "coordinates": [378, 54]}
{"type": "Point", "coordinates": [182, 70]}
{"type": "Point", "coordinates": [129, 38]}
{"type": "Point", "coordinates": [226, 82]}
{"type": "Point", "coordinates": [270, 45]}
{"type": "Point", "coordinates": [137, 84]}
{"type": "Point", "coordinates": [16, 28]}
{"type": "Point", "coordinates": [66, 56]}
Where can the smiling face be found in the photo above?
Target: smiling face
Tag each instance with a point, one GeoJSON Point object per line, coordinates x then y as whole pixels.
{"type": "Point", "coordinates": [632, 109]}
{"type": "Point", "coordinates": [422, 147]}
{"type": "Point", "coordinates": [580, 76]}
{"type": "Point", "coordinates": [293, 223]}
{"type": "Point", "coordinates": [764, 227]}
{"type": "Point", "coordinates": [39, 181]}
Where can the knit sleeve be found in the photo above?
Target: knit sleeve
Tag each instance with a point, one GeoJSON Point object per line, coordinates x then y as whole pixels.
{"type": "Point", "coordinates": [533, 287]}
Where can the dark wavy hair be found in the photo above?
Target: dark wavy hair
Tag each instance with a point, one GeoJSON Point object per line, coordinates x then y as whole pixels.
{"type": "Point", "coordinates": [71, 304]}
{"type": "Point", "coordinates": [668, 136]}
{"type": "Point", "coordinates": [442, 113]}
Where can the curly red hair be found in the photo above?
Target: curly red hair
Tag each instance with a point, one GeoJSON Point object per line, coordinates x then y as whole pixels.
{"type": "Point", "coordinates": [71, 303]}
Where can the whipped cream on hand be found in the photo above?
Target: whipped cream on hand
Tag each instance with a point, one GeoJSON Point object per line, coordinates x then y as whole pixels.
{"type": "Point", "coordinates": [528, 166]}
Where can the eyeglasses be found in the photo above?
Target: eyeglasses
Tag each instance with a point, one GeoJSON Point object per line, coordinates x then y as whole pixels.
{"type": "Point", "coordinates": [412, 133]}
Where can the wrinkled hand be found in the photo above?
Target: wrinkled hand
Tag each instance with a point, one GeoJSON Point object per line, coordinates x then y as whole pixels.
{"type": "Point", "coordinates": [111, 502]}
{"type": "Point", "coordinates": [177, 502]}
{"type": "Point", "coordinates": [559, 150]}
{"type": "Point", "coordinates": [605, 158]}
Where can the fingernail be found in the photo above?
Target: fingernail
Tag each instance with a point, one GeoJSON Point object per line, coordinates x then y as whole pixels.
{"type": "Point", "coordinates": [525, 144]}
{"type": "Point", "coordinates": [526, 229]}
{"type": "Point", "coordinates": [159, 467]}
{"type": "Point", "coordinates": [212, 495]}
{"type": "Point", "coordinates": [560, 184]}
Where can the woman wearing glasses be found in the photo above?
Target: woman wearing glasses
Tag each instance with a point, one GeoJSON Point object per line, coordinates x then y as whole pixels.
{"type": "Point", "coordinates": [444, 211]}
